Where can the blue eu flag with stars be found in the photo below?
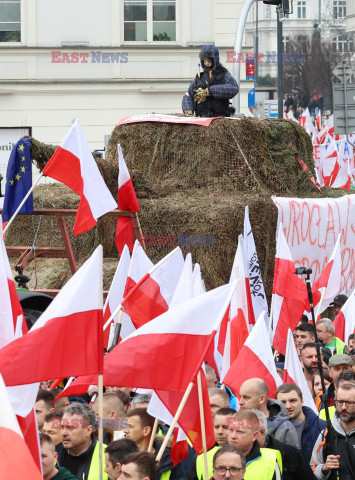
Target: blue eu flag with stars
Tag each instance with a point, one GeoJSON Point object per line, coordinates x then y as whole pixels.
{"type": "Point", "coordinates": [18, 180]}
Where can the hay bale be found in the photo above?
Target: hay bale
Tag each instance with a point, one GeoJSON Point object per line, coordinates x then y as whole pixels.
{"type": "Point", "coordinates": [193, 183]}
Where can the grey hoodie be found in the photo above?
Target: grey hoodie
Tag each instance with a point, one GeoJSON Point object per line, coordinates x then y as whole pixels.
{"type": "Point", "coordinates": [344, 446]}
{"type": "Point", "coordinates": [279, 425]}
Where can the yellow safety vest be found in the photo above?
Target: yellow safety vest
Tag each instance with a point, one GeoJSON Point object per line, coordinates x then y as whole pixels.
{"type": "Point", "coordinates": [94, 470]}
{"type": "Point", "coordinates": [264, 466]}
{"type": "Point", "coordinates": [200, 463]}
{"type": "Point", "coordinates": [331, 413]}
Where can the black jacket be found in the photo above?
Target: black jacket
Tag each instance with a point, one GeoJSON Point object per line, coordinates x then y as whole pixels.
{"type": "Point", "coordinates": [294, 463]}
{"type": "Point", "coordinates": [165, 464]}
{"type": "Point", "coordinates": [79, 465]}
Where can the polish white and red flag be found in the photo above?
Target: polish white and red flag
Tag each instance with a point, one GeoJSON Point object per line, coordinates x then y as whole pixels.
{"type": "Point", "coordinates": [12, 326]}
{"type": "Point", "coordinates": [67, 339]}
{"type": "Point", "coordinates": [12, 320]}
{"type": "Point", "coordinates": [319, 121]}
{"type": "Point", "coordinates": [185, 287]}
{"type": "Point", "coordinates": [330, 125]}
{"type": "Point", "coordinates": [127, 200]}
{"type": "Point", "coordinates": [256, 285]}
{"type": "Point", "coordinates": [293, 372]}
{"type": "Point", "coordinates": [73, 164]}
{"type": "Point", "coordinates": [255, 360]}
{"type": "Point", "coordinates": [336, 169]}
{"type": "Point", "coordinates": [234, 329]}
{"type": "Point", "coordinates": [152, 294]}
{"type": "Point", "coordinates": [329, 281]}
{"type": "Point", "coordinates": [16, 461]}
{"type": "Point", "coordinates": [190, 420]}
{"type": "Point", "coordinates": [115, 294]}
{"type": "Point", "coordinates": [176, 341]}
{"type": "Point", "coordinates": [164, 404]}
{"type": "Point", "coordinates": [289, 294]}
{"type": "Point", "coordinates": [344, 322]}
{"type": "Point", "coordinates": [199, 285]}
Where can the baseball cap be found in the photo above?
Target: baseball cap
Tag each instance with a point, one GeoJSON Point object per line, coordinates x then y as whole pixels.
{"type": "Point", "coordinates": [340, 359]}
{"type": "Point", "coordinates": [339, 300]}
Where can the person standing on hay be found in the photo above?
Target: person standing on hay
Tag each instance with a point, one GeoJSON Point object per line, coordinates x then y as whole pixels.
{"type": "Point", "coordinates": [209, 93]}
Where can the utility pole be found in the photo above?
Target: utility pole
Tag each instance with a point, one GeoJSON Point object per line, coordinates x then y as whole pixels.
{"type": "Point", "coordinates": [280, 93]}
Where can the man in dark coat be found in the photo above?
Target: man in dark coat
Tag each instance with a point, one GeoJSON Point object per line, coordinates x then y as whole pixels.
{"type": "Point", "coordinates": [209, 93]}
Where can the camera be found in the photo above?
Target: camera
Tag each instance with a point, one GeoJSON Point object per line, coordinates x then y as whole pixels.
{"type": "Point", "coordinates": [303, 271]}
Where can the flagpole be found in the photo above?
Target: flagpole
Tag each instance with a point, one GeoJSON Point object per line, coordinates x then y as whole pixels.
{"type": "Point", "coordinates": [101, 433]}
{"type": "Point", "coordinates": [175, 420]}
{"type": "Point", "coordinates": [22, 203]}
{"type": "Point", "coordinates": [203, 426]}
{"type": "Point", "coordinates": [112, 315]}
{"type": "Point", "coordinates": [117, 332]}
{"type": "Point", "coordinates": [154, 432]}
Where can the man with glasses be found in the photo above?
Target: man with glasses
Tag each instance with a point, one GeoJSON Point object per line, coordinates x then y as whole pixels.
{"type": "Point", "coordinates": [342, 459]}
{"type": "Point", "coordinates": [229, 462]}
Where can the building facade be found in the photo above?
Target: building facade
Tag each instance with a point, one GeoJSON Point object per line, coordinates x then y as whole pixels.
{"type": "Point", "coordinates": [101, 61]}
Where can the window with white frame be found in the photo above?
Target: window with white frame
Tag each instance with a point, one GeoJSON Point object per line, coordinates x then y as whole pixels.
{"type": "Point", "coordinates": [285, 43]}
{"type": "Point", "coordinates": [301, 9]}
{"type": "Point", "coordinates": [10, 21]}
{"type": "Point", "coordinates": [339, 9]}
{"type": "Point", "coordinates": [342, 44]}
{"type": "Point", "coordinates": [149, 21]}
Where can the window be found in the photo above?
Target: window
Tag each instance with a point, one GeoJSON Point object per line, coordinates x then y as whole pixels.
{"type": "Point", "coordinates": [149, 20]}
{"type": "Point", "coordinates": [343, 44]}
{"type": "Point", "coordinates": [10, 20]}
{"type": "Point", "coordinates": [285, 43]}
{"type": "Point", "coordinates": [301, 9]}
{"type": "Point", "coordinates": [339, 9]}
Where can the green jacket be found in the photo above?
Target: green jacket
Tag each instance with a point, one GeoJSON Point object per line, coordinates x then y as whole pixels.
{"type": "Point", "coordinates": [64, 474]}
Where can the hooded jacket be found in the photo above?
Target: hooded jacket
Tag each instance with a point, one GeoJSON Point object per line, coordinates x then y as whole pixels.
{"type": "Point", "coordinates": [222, 87]}
{"type": "Point", "coordinates": [312, 428]}
{"type": "Point", "coordinates": [344, 446]}
{"type": "Point", "coordinates": [279, 425]}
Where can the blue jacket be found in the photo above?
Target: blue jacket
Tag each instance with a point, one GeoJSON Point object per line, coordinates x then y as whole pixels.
{"type": "Point", "coordinates": [313, 426]}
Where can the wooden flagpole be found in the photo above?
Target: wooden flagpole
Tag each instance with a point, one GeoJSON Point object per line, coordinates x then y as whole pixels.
{"type": "Point", "coordinates": [154, 432]}
{"type": "Point", "coordinates": [175, 420]}
{"type": "Point", "coordinates": [22, 203]}
{"type": "Point", "coordinates": [101, 431]}
{"type": "Point", "coordinates": [203, 425]}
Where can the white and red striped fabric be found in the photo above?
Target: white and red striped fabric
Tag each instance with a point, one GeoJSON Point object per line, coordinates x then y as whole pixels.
{"type": "Point", "coordinates": [67, 338]}
{"type": "Point", "coordinates": [127, 200]}
{"type": "Point", "coordinates": [73, 164]}
{"type": "Point", "coordinates": [319, 121]}
{"type": "Point", "coordinates": [13, 325]}
{"type": "Point", "coordinates": [330, 124]}
{"type": "Point", "coordinates": [344, 322]}
{"type": "Point", "coordinates": [255, 360]}
{"type": "Point", "coordinates": [329, 279]}
{"type": "Point", "coordinates": [11, 311]}
{"type": "Point", "coordinates": [238, 312]}
{"type": "Point", "coordinates": [176, 341]}
{"type": "Point", "coordinates": [115, 294]}
{"type": "Point", "coordinates": [289, 294]}
{"type": "Point", "coordinates": [152, 295]}
{"type": "Point", "coordinates": [189, 420]}
{"type": "Point", "coordinates": [16, 461]}
{"type": "Point", "coordinates": [293, 372]}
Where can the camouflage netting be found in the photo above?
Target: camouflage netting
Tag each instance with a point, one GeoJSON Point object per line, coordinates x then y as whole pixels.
{"type": "Point", "coordinates": [192, 183]}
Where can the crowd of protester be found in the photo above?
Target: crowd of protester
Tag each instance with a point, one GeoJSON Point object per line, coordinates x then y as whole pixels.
{"type": "Point", "coordinates": [296, 104]}
{"type": "Point", "coordinates": [256, 437]}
